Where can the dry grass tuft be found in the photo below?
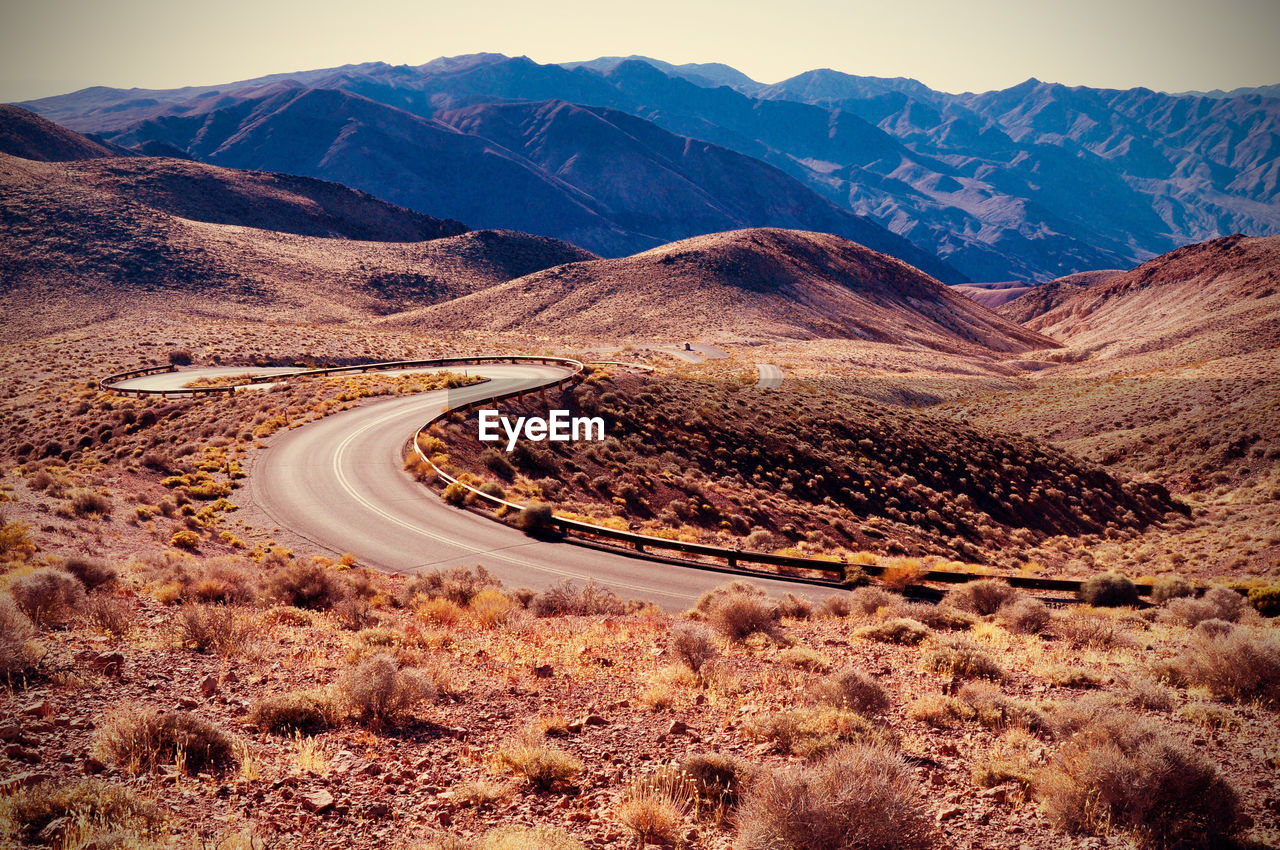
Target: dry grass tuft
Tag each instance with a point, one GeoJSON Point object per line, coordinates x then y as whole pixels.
{"type": "Point", "coordinates": [48, 813]}
{"type": "Point", "coordinates": [223, 629]}
{"type": "Point", "coordinates": [528, 755]}
{"type": "Point", "coordinates": [295, 711]}
{"type": "Point", "coordinates": [143, 739]}
{"type": "Point", "coordinates": [898, 630]}
{"type": "Point", "coordinates": [982, 597]}
{"type": "Point", "coordinates": [654, 809]}
{"type": "Point", "coordinates": [812, 731]}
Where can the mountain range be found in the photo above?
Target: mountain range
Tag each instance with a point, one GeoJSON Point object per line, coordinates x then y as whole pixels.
{"type": "Point", "coordinates": [1030, 183]}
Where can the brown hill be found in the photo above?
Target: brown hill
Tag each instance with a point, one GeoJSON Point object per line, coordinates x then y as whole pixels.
{"type": "Point", "coordinates": [83, 239]}
{"type": "Point", "coordinates": [1037, 300]}
{"type": "Point", "coordinates": [1221, 295]}
{"type": "Point", "coordinates": [29, 136]}
{"type": "Point", "coordinates": [993, 295]}
{"type": "Point", "coordinates": [741, 285]}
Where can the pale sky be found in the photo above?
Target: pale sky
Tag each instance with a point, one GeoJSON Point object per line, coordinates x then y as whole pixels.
{"type": "Point", "coordinates": [55, 46]}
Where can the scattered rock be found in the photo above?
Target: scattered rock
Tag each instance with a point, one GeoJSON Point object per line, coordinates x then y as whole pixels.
{"type": "Point", "coordinates": [209, 685]}
{"type": "Point", "coordinates": [543, 671]}
{"type": "Point", "coordinates": [949, 812]}
{"type": "Point", "coordinates": [677, 727]}
{"type": "Point", "coordinates": [38, 708]}
{"type": "Point", "coordinates": [23, 780]}
{"type": "Point", "coordinates": [317, 802]}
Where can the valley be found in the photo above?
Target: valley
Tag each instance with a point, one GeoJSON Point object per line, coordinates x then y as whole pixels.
{"type": "Point", "coordinates": [257, 617]}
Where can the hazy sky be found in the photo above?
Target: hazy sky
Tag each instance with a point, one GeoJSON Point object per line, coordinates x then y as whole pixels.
{"type": "Point", "coordinates": [55, 46]}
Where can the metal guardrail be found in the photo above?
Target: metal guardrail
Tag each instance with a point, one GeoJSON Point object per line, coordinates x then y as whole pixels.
{"type": "Point", "coordinates": [734, 558]}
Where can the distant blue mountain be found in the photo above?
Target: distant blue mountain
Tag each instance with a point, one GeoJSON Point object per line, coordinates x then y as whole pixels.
{"type": "Point", "coordinates": [1031, 182]}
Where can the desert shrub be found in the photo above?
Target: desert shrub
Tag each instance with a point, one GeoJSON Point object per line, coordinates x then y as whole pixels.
{"type": "Point", "coordinates": [143, 739]}
{"type": "Point", "coordinates": [18, 654]}
{"type": "Point", "coordinates": [718, 779]}
{"type": "Point", "coordinates": [794, 607]}
{"type": "Point", "coordinates": [836, 605]}
{"type": "Point", "coordinates": [994, 709]}
{"type": "Point", "coordinates": [15, 542]}
{"type": "Point", "coordinates": [110, 614]}
{"type": "Point", "coordinates": [938, 710]}
{"type": "Point", "coordinates": [566, 598]}
{"type": "Point", "coordinates": [48, 595]}
{"type": "Point", "coordinates": [812, 731]}
{"type": "Point", "coordinates": [1025, 616]}
{"type": "Point", "coordinates": [1218, 603]}
{"type": "Point", "coordinates": [92, 572]}
{"type": "Point", "coordinates": [1108, 590]}
{"type": "Point", "coordinates": [214, 628]}
{"type": "Point", "coordinates": [455, 493]}
{"type": "Point", "coordinates": [535, 519]}
{"type": "Point", "coordinates": [45, 813]}
{"type": "Point", "coordinates": [983, 597]}
{"type": "Point", "coordinates": [1214, 628]}
{"type": "Point", "coordinates": [943, 618]}
{"type": "Point", "coordinates": [900, 572]}
{"type": "Point", "coordinates": [86, 503]}
{"type": "Point", "coordinates": [382, 694]}
{"type": "Point", "coordinates": [490, 608]}
{"type": "Point", "coordinates": [1130, 775]}
{"type": "Point", "coordinates": [805, 658]}
{"type": "Point", "coordinates": [738, 610]}
{"type": "Point", "coordinates": [963, 659]}
{"type": "Point", "coordinates": [1266, 600]}
{"type": "Point", "coordinates": [898, 630]}
{"type": "Point", "coordinates": [528, 755]}
{"type": "Point", "coordinates": [294, 711]}
{"type": "Point", "coordinates": [185, 539]}
{"type": "Point", "coordinates": [180, 357]}
{"type": "Point", "coordinates": [853, 690]}
{"type": "Point", "coordinates": [1008, 760]}
{"type": "Point", "coordinates": [868, 600]}
{"type": "Point", "coordinates": [1243, 664]}
{"type": "Point", "coordinates": [858, 798]}
{"type": "Point", "coordinates": [1152, 696]}
{"type": "Point", "coordinates": [1081, 629]}
{"type": "Point", "coordinates": [458, 584]}
{"type": "Point", "coordinates": [440, 612]}
{"type": "Point", "coordinates": [653, 808]}
{"type": "Point", "coordinates": [306, 584]}
{"type": "Point", "coordinates": [354, 614]}
{"type": "Point", "coordinates": [692, 645]}
{"type": "Point", "coordinates": [1169, 587]}
{"type": "Point", "coordinates": [497, 464]}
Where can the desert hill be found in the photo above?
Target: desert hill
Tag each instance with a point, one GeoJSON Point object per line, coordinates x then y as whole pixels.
{"type": "Point", "coordinates": [91, 239]}
{"type": "Point", "coordinates": [1032, 301]}
{"type": "Point", "coordinates": [26, 134]}
{"type": "Point", "coordinates": [745, 285]}
{"type": "Point", "coordinates": [1224, 293]}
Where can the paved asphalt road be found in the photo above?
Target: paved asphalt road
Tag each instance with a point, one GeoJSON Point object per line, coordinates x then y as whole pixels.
{"type": "Point", "coordinates": [770, 376]}
{"type": "Point", "coordinates": [340, 483]}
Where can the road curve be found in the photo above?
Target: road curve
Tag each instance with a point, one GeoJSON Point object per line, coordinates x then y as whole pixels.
{"type": "Point", "coordinates": [770, 376]}
{"type": "Point", "coordinates": [339, 482]}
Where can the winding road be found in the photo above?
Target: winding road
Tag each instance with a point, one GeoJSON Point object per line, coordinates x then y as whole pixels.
{"type": "Point", "coordinates": [340, 483]}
